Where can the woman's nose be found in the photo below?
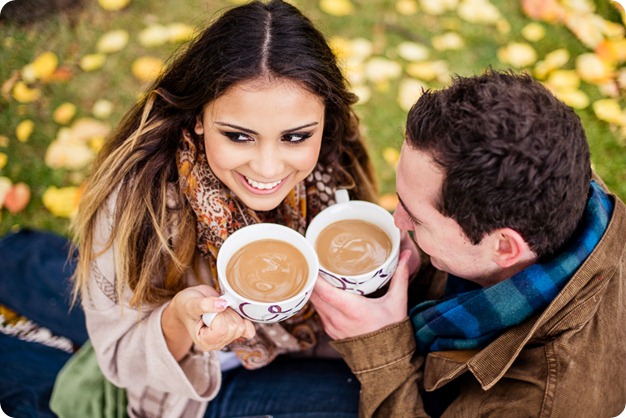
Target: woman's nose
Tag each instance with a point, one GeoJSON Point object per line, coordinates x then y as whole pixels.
{"type": "Point", "coordinates": [268, 164]}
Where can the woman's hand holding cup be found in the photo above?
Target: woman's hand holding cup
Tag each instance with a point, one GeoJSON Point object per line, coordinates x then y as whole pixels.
{"type": "Point", "coordinates": [182, 324]}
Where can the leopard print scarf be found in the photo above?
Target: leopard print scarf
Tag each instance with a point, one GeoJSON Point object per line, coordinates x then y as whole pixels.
{"type": "Point", "coordinates": [219, 213]}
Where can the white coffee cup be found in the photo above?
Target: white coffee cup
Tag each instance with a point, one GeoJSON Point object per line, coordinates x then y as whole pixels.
{"type": "Point", "coordinates": [256, 311]}
{"type": "Point", "coordinates": [346, 209]}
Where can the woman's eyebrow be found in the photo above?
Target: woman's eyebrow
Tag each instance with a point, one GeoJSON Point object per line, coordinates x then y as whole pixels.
{"type": "Point", "coordinates": [239, 128]}
{"type": "Point", "coordinates": [250, 131]}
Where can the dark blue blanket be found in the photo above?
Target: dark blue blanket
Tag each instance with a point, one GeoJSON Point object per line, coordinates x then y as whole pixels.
{"type": "Point", "coordinates": [35, 268]}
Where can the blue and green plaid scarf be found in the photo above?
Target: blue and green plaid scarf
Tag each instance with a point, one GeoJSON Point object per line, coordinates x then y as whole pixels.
{"type": "Point", "coordinates": [470, 317]}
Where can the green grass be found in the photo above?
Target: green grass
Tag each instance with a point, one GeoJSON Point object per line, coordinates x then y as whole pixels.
{"type": "Point", "coordinates": [73, 36]}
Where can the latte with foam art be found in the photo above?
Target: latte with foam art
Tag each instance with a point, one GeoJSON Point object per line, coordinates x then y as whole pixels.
{"type": "Point", "coordinates": [267, 270]}
{"type": "Point", "coordinates": [351, 247]}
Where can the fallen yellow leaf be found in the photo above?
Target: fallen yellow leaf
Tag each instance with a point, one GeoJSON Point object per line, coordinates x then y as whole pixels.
{"type": "Point", "coordinates": [409, 91]}
{"type": "Point", "coordinates": [92, 62]}
{"type": "Point", "coordinates": [412, 51]}
{"type": "Point", "coordinates": [448, 41]}
{"type": "Point", "coordinates": [113, 5]}
{"type": "Point", "coordinates": [64, 113]}
{"type": "Point", "coordinates": [61, 202]}
{"type": "Point", "coordinates": [340, 46]}
{"type": "Point", "coordinates": [84, 129]}
{"type": "Point", "coordinates": [608, 110]}
{"type": "Point", "coordinates": [360, 49]}
{"type": "Point", "coordinates": [337, 7]}
{"type": "Point", "coordinates": [102, 109]}
{"type": "Point", "coordinates": [380, 70]}
{"type": "Point", "coordinates": [503, 26]}
{"type": "Point", "coordinates": [564, 80]}
{"type": "Point", "coordinates": [24, 129]}
{"type": "Point", "coordinates": [363, 93]}
{"type": "Point", "coordinates": [45, 65]}
{"type": "Point", "coordinates": [428, 70]}
{"type": "Point", "coordinates": [71, 156]}
{"type": "Point", "coordinates": [5, 186]}
{"type": "Point", "coordinates": [612, 51]}
{"type": "Point", "coordinates": [594, 70]}
{"type": "Point", "coordinates": [433, 7]}
{"type": "Point", "coordinates": [3, 160]}
{"type": "Point", "coordinates": [406, 7]}
{"type": "Point", "coordinates": [112, 41]}
{"type": "Point", "coordinates": [147, 69]}
{"type": "Point", "coordinates": [517, 54]}
{"type": "Point", "coordinates": [552, 61]}
{"type": "Point", "coordinates": [97, 142]}
{"type": "Point", "coordinates": [533, 32]}
{"type": "Point", "coordinates": [479, 11]}
{"type": "Point", "coordinates": [585, 27]}
{"type": "Point", "coordinates": [24, 94]}
{"type": "Point", "coordinates": [154, 35]}
{"type": "Point", "coordinates": [576, 99]}
{"type": "Point", "coordinates": [4, 141]}
{"type": "Point", "coordinates": [180, 32]}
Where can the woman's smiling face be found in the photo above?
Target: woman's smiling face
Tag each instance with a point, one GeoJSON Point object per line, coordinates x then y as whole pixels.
{"type": "Point", "coordinates": [262, 137]}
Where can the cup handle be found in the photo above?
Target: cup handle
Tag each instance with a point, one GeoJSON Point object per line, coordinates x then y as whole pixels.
{"type": "Point", "coordinates": [208, 317]}
{"type": "Point", "coordinates": [342, 196]}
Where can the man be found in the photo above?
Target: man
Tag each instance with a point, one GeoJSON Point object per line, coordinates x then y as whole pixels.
{"type": "Point", "coordinates": [519, 306]}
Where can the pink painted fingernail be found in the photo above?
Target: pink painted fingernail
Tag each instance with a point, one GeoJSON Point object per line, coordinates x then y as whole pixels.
{"type": "Point", "coordinates": [221, 303]}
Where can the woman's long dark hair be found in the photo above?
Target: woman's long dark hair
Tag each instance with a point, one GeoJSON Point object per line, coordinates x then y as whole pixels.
{"type": "Point", "coordinates": [271, 40]}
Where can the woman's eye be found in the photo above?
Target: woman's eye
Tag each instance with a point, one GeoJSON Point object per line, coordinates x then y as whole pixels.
{"type": "Point", "coordinates": [295, 138]}
{"type": "Point", "coordinates": [237, 137]}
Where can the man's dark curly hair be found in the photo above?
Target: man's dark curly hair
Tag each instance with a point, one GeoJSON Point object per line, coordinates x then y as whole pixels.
{"type": "Point", "coordinates": [513, 156]}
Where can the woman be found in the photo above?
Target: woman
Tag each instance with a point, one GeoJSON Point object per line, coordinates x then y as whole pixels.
{"type": "Point", "coordinates": [252, 123]}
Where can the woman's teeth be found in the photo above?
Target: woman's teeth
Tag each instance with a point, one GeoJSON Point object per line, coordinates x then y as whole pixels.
{"type": "Point", "coordinates": [262, 186]}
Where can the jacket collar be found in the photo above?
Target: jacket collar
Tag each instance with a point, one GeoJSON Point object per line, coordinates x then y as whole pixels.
{"type": "Point", "coordinates": [491, 363]}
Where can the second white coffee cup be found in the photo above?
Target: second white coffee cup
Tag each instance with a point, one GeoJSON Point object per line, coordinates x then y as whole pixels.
{"type": "Point", "coordinates": [345, 209]}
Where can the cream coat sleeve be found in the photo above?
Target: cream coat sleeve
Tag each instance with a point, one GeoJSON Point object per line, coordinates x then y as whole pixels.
{"type": "Point", "coordinates": [130, 346]}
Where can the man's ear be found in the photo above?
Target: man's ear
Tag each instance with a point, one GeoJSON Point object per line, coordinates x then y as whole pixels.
{"type": "Point", "coordinates": [198, 128]}
{"type": "Point", "coordinates": [510, 248]}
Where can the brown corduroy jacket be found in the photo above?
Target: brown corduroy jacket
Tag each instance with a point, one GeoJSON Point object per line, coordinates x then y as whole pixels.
{"type": "Point", "coordinates": [568, 361]}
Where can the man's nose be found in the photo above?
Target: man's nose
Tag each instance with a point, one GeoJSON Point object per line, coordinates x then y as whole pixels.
{"type": "Point", "coordinates": [401, 218]}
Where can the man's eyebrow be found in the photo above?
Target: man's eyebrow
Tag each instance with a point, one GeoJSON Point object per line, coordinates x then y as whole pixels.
{"type": "Point", "coordinates": [250, 131]}
{"type": "Point", "coordinates": [411, 216]}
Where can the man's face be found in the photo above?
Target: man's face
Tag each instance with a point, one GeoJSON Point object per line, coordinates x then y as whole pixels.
{"type": "Point", "coordinates": [418, 184]}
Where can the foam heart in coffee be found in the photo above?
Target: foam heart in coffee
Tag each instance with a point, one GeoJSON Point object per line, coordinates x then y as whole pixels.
{"type": "Point", "coordinates": [352, 246]}
{"type": "Point", "coordinates": [267, 270]}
